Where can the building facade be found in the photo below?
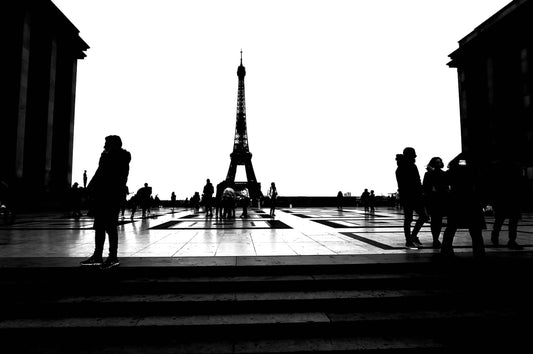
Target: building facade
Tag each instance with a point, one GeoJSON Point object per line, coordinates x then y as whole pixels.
{"type": "Point", "coordinates": [40, 52]}
{"type": "Point", "coordinates": [494, 67]}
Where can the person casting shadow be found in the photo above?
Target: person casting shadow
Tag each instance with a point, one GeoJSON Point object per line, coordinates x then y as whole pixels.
{"type": "Point", "coordinates": [107, 188]}
{"type": "Point", "coordinates": [339, 201]}
{"type": "Point", "coordinates": [436, 191]}
{"type": "Point", "coordinates": [364, 200]}
{"type": "Point", "coordinates": [410, 189]}
{"type": "Point", "coordinates": [465, 209]}
{"type": "Point", "coordinates": [273, 195]}
{"type": "Point", "coordinates": [208, 198]}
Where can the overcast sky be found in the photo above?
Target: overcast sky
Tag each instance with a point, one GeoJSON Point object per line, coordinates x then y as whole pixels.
{"type": "Point", "coordinates": [334, 89]}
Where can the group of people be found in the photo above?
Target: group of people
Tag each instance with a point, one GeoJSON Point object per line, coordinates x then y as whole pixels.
{"type": "Point", "coordinates": [455, 194]}
{"type": "Point", "coordinates": [368, 201]}
{"type": "Point", "coordinates": [460, 195]}
{"type": "Point", "coordinates": [225, 199]}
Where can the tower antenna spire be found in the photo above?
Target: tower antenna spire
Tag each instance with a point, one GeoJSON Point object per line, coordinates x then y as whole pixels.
{"type": "Point", "coordinates": [241, 56]}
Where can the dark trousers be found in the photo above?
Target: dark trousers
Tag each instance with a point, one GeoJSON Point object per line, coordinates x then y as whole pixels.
{"type": "Point", "coordinates": [436, 225]}
{"type": "Point", "coordinates": [478, 247]}
{"type": "Point", "coordinates": [106, 221]}
{"type": "Point", "coordinates": [498, 223]}
{"type": "Point", "coordinates": [408, 219]}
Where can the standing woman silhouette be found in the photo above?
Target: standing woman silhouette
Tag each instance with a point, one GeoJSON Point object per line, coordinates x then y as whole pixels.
{"type": "Point", "coordinates": [273, 195]}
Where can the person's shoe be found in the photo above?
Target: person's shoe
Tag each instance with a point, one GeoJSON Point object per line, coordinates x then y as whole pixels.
{"type": "Point", "coordinates": [494, 239]}
{"type": "Point", "coordinates": [92, 261]}
{"type": "Point", "coordinates": [110, 263]}
{"type": "Point", "coordinates": [436, 244]}
{"type": "Point", "coordinates": [514, 246]}
{"type": "Point", "coordinates": [410, 245]}
{"type": "Point", "coordinates": [417, 242]}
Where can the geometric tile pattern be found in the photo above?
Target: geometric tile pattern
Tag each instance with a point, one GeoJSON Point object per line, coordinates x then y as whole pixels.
{"type": "Point", "coordinates": [184, 233]}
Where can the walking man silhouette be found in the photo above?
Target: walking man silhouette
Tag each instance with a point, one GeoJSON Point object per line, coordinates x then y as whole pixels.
{"type": "Point", "coordinates": [107, 191]}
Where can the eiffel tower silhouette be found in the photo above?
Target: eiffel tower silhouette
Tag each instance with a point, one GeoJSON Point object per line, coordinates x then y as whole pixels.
{"type": "Point", "coordinates": [241, 154]}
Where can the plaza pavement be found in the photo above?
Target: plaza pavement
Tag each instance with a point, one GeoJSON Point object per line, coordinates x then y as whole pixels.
{"type": "Point", "coordinates": [294, 235]}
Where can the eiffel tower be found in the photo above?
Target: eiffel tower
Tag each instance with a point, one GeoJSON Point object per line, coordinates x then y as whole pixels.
{"type": "Point", "coordinates": [241, 154]}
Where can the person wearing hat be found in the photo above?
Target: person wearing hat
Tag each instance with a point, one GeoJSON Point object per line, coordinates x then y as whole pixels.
{"type": "Point", "coordinates": [411, 196]}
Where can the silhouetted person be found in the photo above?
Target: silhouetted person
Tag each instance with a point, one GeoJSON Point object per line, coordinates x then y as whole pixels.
{"type": "Point", "coordinates": [410, 188]}
{"type": "Point", "coordinates": [124, 200]}
{"type": "Point", "coordinates": [364, 200]}
{"type": "Point", "coordinates": [465, 207]}
{"type": "Point", "coordinates": [273, 195]}
{"type": "Point", "coordinates": [436, 190]}
{"type": "Point", "coordinates": [208, 197]}
{"type": "Point", "coordinates": [157, 201]}
{"type": "Point", "coordinates": [173, 201]}
{"type": "Point", "coordinates": [372, 202]}
{"type": "Point", "coordinates": [195, 202]}
{"type": "Point", "coordinates": [219, 207]}
{"type": "Point", "coordinates": [507, 188]}
{"type": "Point", "coordinates": [106, 188]}
{"type": "Point", "coordinates": [228, 202]}
{"type": "Point", "coordinates": [339, 201]}
{"type": "Point", "coordinates": [134, 204]}
{"type": "Point", "coordinates": [85, 179]}
{"type": "Point", "coordinates": [144, 195]}
{"type": "Point", "coordinates": [75, 200]}
{"type": "Point", "coordinates": [245, 202]}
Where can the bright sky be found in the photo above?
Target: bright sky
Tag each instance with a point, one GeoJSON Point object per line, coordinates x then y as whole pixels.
{"type": "Point", "coordinates": [334, 88]}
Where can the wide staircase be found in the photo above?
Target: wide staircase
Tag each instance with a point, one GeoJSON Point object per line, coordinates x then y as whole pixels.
{"type": "Point", "coordinates": [428, 306]}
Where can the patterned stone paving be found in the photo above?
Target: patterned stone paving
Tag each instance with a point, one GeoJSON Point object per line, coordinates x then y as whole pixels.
{"type": "Point", "coordinates": [184, 233]}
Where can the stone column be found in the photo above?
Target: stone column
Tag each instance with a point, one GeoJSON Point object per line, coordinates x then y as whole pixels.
{"type": "Point", "coordinates": [50, 115]}
{"type": "Point", "coordinates": [23, 95]}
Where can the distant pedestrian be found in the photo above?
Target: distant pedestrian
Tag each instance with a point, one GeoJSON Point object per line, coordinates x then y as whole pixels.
{"type": "Point", "coordinates": [365, 200]}
{"type": "Point", "coordinates": [75, 201]}
{"type": "Point", "coordinates": [144, 198]}
{"type": "Point", "coordinates": [273, 195]}
{"type": "Point", "coordinates": [372, 202]}
{"type": "Point", "coordinates": [339, 201]}
{"type": "Point", "coordinates": [436, 193]}
{"type": "Point", "coordinates": [106, 188]}
{"type": "Point", "coordinates": [228, 202]}
{"type": "Point", "coordinates": [85, 179]}
{"type": "Point", "coordinates": [195, 202]}
{"type": "Point", "coordinates": [134, 205]}
{"type": "Point", "coordinates": [208, 198]}
{"type": "Point", "coordinates": [173, 201]}
{"type": "Point", "coordinates": [245, 202]}
{"type": "Point", "coordinates": [465, 209]}
{"type": "Point", "coordinates": [219, 207]}
{"type": "Point", "coordinates": [411, 197]}
{"type": "Point", "coordinates": [507, 189]}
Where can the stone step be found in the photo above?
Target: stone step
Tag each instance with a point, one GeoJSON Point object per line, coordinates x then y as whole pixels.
{"type": "Point", "coordinates": [430, 328]}
{"type": "Point", "coordinates": [231, 302]}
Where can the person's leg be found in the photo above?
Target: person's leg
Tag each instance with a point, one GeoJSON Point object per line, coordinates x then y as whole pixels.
{"type": "Point", "coordinates": [447, 240]}
{"type": "Point", "coordinates": [99, 240]}
{"type": "Point", "coordinates": [422, 218]}
{"type": "Point", "coordinates": [498, 223]}
{"type": "Point", "coordinates": [436, 227]}
{"type": "Point", "coordinates": [513, 230]}
{"type": "Point", "coordinates": [407, 219]}
{"type": "Point", "coordinates": [478, 247]}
